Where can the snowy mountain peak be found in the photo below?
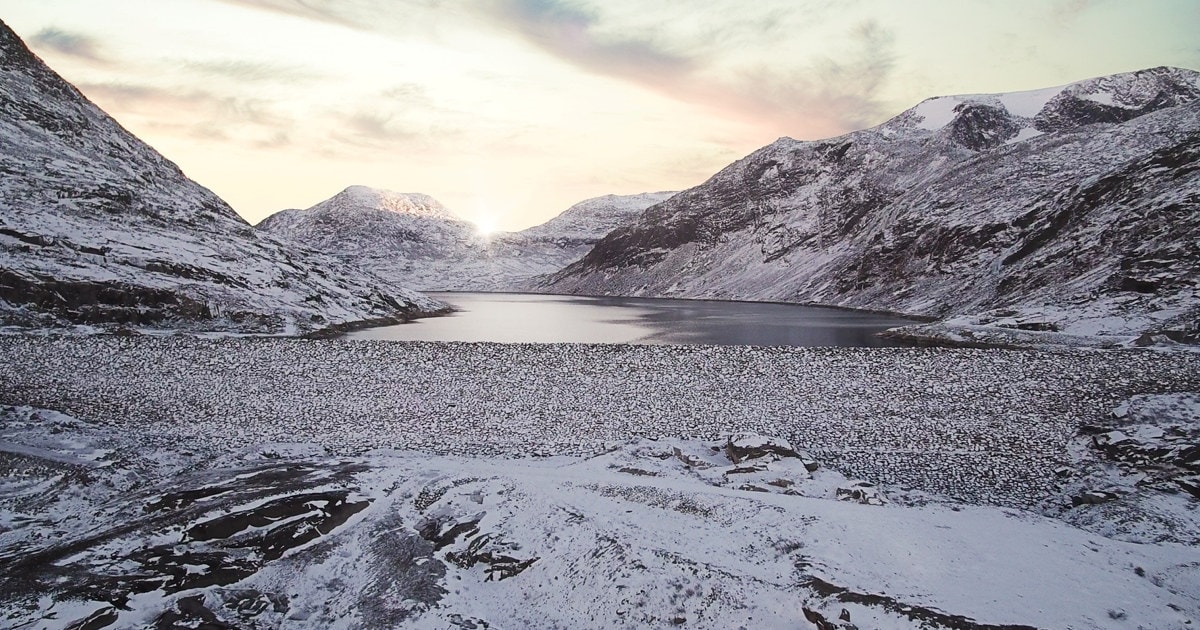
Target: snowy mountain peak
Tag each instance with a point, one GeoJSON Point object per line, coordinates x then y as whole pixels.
{"type": "Point", "coordinates": [376, 222]}
{"type": "Point", "coordinates": [367, 198]}
{"type": "Point", "coordinates": [983, 121]}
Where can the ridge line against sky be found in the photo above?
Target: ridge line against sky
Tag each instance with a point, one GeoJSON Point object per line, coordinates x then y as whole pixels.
{"type": "Point", "coordinates": [510, 111]}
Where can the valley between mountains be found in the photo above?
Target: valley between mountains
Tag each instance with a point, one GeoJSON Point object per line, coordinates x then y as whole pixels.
{"type": "Point", "coordinates": [177, 450]}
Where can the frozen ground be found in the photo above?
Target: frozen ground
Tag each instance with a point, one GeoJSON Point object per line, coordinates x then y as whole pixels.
{"type": "Point", "coordinates": [293, 483]}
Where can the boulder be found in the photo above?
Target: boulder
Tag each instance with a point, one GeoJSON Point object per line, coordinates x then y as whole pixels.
{"type": "Point", "coordinates": [863, 492]}
{"type": "Point", "coordinates": [743, 446]}
{"type": "Point", "coordinates": [1093, 497]}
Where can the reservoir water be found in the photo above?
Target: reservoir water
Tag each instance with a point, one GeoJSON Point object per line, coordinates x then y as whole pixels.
{"type": "Point", "coordinates": [530, 318]}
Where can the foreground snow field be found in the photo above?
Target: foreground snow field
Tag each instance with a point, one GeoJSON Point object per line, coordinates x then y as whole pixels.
{"type": "Point", "coordinates": [268, 483]}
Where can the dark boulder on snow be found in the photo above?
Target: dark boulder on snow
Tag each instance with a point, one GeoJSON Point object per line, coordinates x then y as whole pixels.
{"type": "Point", "coordinates": [862, 492]}
{"type": "Point", "coordinates": [1093, 497]}
{"type": "Point", "coordinates": [745, 446]}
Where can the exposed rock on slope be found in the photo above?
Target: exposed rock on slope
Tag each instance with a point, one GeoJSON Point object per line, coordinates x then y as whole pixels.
{"type": "Point", "coordinates": [412, 238]}
{"type": "Point", "coordinates": [1073, 209]}
{"type": "Point", "coordinates": [97, 228]}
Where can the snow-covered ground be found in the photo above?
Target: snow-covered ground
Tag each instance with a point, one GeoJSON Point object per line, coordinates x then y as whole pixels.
{"type": "Point", "coordinates": [291, 483]}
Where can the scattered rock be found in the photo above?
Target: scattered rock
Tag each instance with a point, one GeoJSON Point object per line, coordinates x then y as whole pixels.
{"type": "Point", "coordinates": [688, 460]}
{"type": "Point", "coordinates": [629, 470]}
{"type": "Point", "coordinates": [860, 492]}
{"type": "Point", "coordinates": [1093, 497]}
{"type": "Point", "coordinates": [444, 531]}
{"type": "Point", "coordinates": [491, 550]}
{"type": "Point", "coordinates": [822, 623]}
{"type": "Point", "coordinates": [467, 623]}
{"type": "Point", "coordinates": [745, 470]}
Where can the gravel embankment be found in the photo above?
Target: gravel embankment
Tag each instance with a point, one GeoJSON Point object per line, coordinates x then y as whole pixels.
{"type": "Point", "coordinates": [984, 425]}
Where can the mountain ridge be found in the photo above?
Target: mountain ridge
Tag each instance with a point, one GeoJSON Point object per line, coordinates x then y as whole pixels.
{"type": "Point", "coordinates": [436, 250]}
{"type": "Point", "coordinates": [921, 221]}
{"type": "Point", "coordinates": [99, 231]}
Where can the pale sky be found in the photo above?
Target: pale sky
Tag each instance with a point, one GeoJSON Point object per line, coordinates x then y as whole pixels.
{"type": "Point", "coordinates": [509, 111]}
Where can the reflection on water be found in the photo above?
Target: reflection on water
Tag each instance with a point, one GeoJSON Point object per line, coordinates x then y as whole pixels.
{"type": "Point", "coordinates": [528, 318]}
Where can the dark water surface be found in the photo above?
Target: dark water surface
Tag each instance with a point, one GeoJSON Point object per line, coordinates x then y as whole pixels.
{"type": "Point", "coordinates": [530, 318]}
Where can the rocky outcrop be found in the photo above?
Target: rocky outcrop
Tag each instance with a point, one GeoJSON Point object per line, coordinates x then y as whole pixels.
{"type": "Point", "coordinates": [1157, 437]}
{"type": "Point", "coordinates": [747, 446]}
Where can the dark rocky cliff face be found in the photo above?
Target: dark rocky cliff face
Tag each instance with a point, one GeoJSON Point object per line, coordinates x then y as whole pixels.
{"type": "Point", "coordinates": [98, 228]}
{"type": "Point", "coordinates": [1083, 208]}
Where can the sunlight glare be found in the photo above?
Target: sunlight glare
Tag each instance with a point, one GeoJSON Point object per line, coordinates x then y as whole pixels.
{"type": "Point", "coordinates": [485, 226]}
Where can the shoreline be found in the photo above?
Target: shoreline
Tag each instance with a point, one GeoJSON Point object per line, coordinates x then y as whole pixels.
{"type": "Point", "coordinates": [917, 318]}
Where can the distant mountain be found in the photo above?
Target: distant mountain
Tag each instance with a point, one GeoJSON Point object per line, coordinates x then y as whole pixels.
{"type": "Point", "coordinates": [1073, 210]}
{"type": "Point", "coordinates": [381, 223]}
{"type": "Point", "coordinates": [591, 219]}
{"type": "Point", "coordinates": [97, 228]}
{"type": "Point", "coordinates": [413, 239]}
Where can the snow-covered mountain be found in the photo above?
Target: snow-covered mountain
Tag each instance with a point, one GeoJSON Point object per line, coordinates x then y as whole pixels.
{"type": "Point", "coordinates": [386, 223]}
{"type": "Point", "coordinates": [591, 219]}
{"type": "Point", "coordinates": [411, 238]}
{"type": "Point", "coordinates": [1070, 210]}
{"type": "Point", "coordinates": [97, 228]}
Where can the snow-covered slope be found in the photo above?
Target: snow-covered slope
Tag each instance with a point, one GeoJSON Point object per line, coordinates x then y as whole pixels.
{"type": "Point", "coordinates": [411, 238]}
{"type": "Point", "coordinates": [589, 220]}
{"type": "Point", "coordinates": [1074, 209]}
{"type": "Point", "coordinates": [97, 228]}
{"type": "Point", "coordinates": [384, 223]}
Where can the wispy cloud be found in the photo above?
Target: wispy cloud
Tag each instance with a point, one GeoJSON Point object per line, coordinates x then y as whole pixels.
{"type": "Point", "coordinates": [377, 127]}
{"type": "Point", "coordinates": [685, 56]}
{"type": "Point", "coordinates": [1064, 12]}
{"type": "Point", "coordinates": [68, 43]}
{"type": "Point", "coordinates": [814, 95]}
{"type": "Point", "coordinates": [570, 32]}
{"type": "Point", "coordinates": [252, 71]}
{"type": "Point", "coordinates": [852, 83]}
{"type": "Point", "coordinates": [200, 113]}
{"type": "Point", "coordinates": [322, 10]}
